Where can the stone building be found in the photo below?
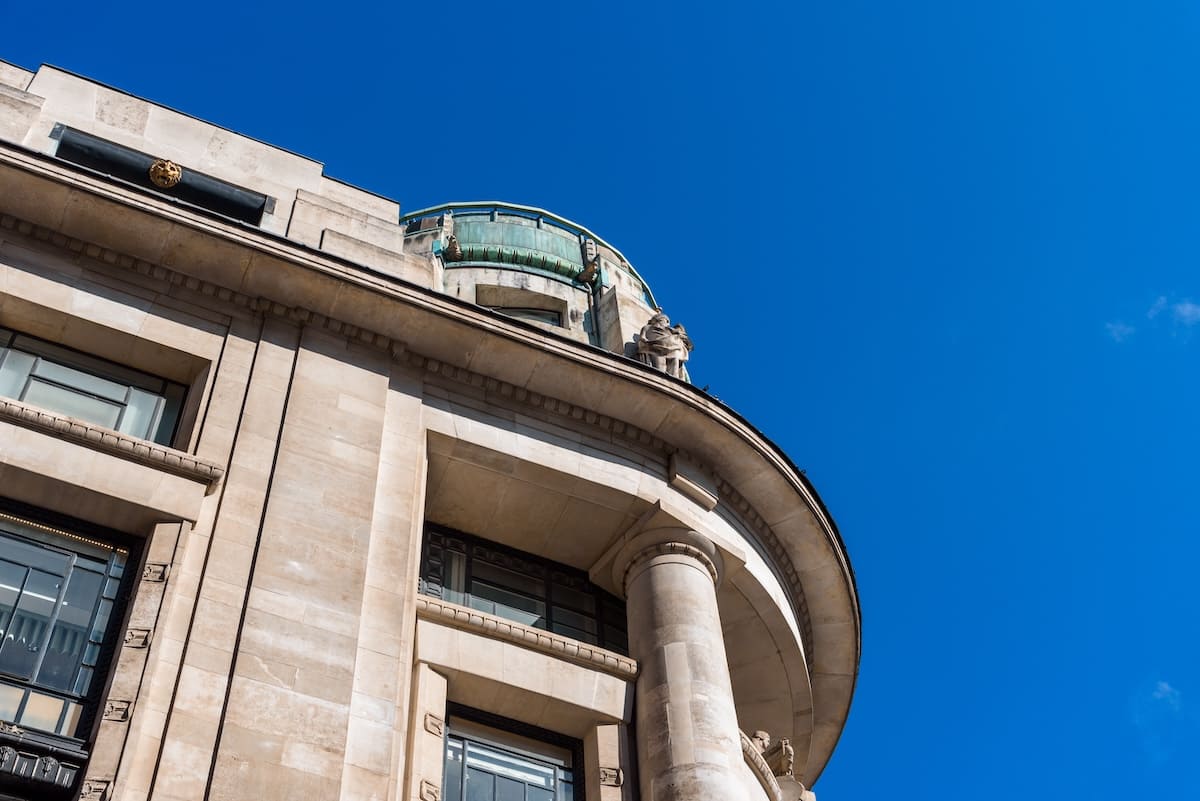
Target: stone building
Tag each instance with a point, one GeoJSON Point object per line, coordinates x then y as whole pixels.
{"type": "Point", "coordinates": [302, 498]}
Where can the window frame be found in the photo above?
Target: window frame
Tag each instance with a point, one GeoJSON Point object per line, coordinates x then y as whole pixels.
{"type": "Point", "coordinates": [67, 529]}
{"type": "Point", "coordinates": [529, 733]}
{"type": "Point", "coordinates": [168, 413]}
{"type": "Point", "coordinates": [609, 611]}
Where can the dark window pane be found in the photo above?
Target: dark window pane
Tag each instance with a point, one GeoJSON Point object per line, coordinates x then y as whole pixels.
{"type": "Point", "coordinates": [513, 585]}
{"type": "Point", "coordinates": [30, 624]}
{"type": "Point", "coordinates": [574, 620]}
{"type": "Point", "coordinates": [12, 578]}
{"type": "Point", "coordinates": [509, 789]}
{"type": "Point", "coordinates": [575, 634]}
{"type": "Point", "coordinates": [503, 577]}
{"type": "Point", "coordinates": [70, 634]}
{"type": "Point", "coordinates": [452, 790]}
{"type": "Point", "coordinates": [576, 599]}
{"type": "Point", "coordinates": [480, 786]}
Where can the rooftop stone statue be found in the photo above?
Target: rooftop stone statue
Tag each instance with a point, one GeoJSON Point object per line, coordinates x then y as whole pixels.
{"type": "Point", "coordinates": [664, 346]}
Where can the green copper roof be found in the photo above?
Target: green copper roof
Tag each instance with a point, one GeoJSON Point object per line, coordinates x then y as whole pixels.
{"type": "Point", "coordinates": [523, 237]}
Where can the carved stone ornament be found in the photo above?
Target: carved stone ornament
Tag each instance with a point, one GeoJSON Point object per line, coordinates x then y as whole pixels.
{"type": "Point", "coordinates": [117, 710]}
{"type": "Point", "coordinates": [8, 758]}
{"type": "Point", "coordinates": [781, 757]}
{"type": "Point", "coordinates": [9, 728]}
{"type": "Point", "coordinates": [137, 638]}
{"type": "Point", "coordinates": [47, 768]}
{"type": "Point", "coordinates": [664, 346]}
{"type": "Point", "coordinates": [94, 790]}
{"type": "Point", "coordinates": [611, 777]}
{"type": "Point", "coordinates": [165, 174]}
{"type": "Point", "coordinates": [155, 571]}
{"type": "Point", "coordinates": [434, 724]}
{"type": "Point", "coordinates": [453, 251]}
{"type": "Point", "coordinates": [430, 791]}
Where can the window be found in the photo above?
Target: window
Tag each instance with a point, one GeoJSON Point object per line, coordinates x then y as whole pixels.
{"type": "Point", "coordinates": [531, 315]}
{"type": "Point", "coordinates": [58, 601]}
{"type": "Point", "coordinates": [504, 764]}
{"type": "Point", "coordinates": [68, 382]}
{"type": "Point", "coordinates": [521, 587]}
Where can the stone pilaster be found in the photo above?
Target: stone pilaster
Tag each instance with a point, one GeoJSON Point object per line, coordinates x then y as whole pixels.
{"type": "Point", "coordinates": [688, 742]}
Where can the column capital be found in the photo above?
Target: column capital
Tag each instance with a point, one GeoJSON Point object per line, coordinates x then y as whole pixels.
{"type": "Point", "coordinates": [674, 543]}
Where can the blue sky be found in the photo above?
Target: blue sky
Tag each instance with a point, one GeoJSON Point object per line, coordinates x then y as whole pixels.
{"type": "Point", "coordinates": [944, 253]}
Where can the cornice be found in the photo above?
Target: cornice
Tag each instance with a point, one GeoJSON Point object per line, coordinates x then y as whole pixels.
{"type": "Point", "coordinates": [618, 429]}
{"type": "Point", "coordinates": [112, 442]}
{"type": "Point", "coordinates": [547, 642]}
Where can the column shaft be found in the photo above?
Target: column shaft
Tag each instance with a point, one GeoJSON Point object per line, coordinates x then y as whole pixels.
{"type": "Point", "coordinates": [688, 743]}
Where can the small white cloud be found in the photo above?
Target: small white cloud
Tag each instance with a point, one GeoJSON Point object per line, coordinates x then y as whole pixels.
{"type": "Point", "coordinates": [1159, 721]}
{"type": "Point", "coordinates": [1167, 694]}
{"type": "Point", "coordinates": [1119, 331]}
{"type": "Point", "coordinates": [1157, 307]}
{"type": "Point", "coordinates": [1186, 313]}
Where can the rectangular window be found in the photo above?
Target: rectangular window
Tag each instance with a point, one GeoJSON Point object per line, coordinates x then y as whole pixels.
{"type": "Point", "coordinates": [531, 315]}
{"type": "Point", "coordinates": [58, 607]}
{"type": "Point", "coordinates": [521, 587]}
{"type": "Point", "coordinates": [509, 762]}
{"type": "Point", "coordinates": [68, 382]}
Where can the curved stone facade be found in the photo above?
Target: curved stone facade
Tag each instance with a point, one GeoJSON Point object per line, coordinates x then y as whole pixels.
{"type": "Point", "coordinates": [627, 577]}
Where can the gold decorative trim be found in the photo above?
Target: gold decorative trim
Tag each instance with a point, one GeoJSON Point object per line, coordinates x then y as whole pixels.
{"type": "Point", "coordinates": [165, 174]}
{"type": "Point", "coordinates": [581, 653]}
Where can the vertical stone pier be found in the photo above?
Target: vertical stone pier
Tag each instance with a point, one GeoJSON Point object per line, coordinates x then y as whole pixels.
{"type": "Point", "coordinates": [688, 743]}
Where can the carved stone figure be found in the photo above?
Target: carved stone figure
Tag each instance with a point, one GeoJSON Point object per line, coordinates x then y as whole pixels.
{"type": "Point", "coordinates": [761, 740]}
{"type": "Point", "coordinates": [664, 346]}
{"type": "Point", "coordinates": [781, 757]}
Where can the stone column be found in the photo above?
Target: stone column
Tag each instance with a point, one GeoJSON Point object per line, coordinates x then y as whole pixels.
{"type": "Point", "coordinates": [688, 742]}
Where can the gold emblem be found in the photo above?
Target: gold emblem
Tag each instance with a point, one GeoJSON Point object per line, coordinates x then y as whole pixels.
{"type": "Point", "coordinates": [165, 174]}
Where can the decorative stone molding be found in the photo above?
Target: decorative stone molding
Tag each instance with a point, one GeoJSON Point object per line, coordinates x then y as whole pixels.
{"type": "Point", "coordinates": [40, 770]}
{"type": "Point", "coordinates": [758, 766]}
{"type": "Point", "coordinates": [155, 572]}
{"type": "Point", "coordinates": [613, 427]}
{"type": "Point", "coordinates": [117, 710]}
{"type": "Point", "coordinates": [94, 790]}
{"type": "Point", "coordinates": [612, 777]}
{"type": "Point", "coordinates": [113, 442]}
{"type": "Point", "coordinates": [430, 791]}
{"type": "Point", "coordinates": [461, 617]}
{"type": "Point", "coordinates": [137, 638]}
{"type": "Point", "coordinates": [434, 724]}
{"type": "Point", "coordinates": [781, 757]}
{"type": "Point", "coordinates": [666, 542]}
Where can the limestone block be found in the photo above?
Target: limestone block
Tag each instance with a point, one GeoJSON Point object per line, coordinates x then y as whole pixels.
{"type": "Point", "coordinates": [13, 76]}
{"type": "Point", "coordinates": [18, 111]}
